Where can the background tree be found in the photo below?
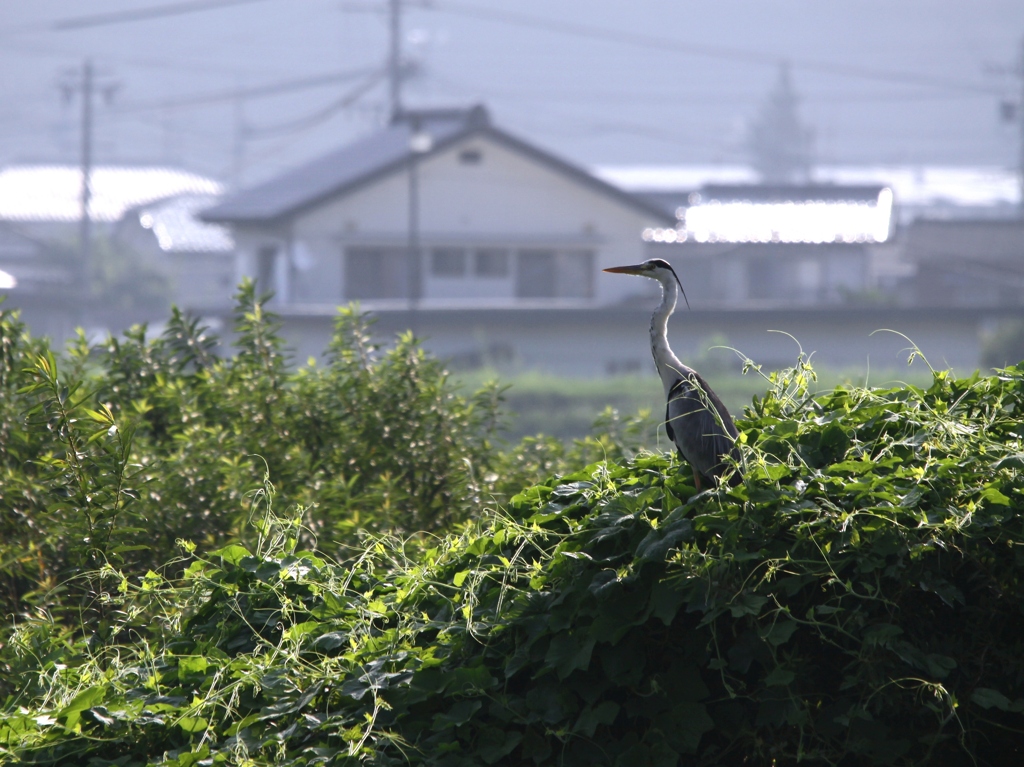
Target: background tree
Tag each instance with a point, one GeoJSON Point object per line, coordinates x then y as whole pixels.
{"type": "Point", "coordinates": [781, 148]}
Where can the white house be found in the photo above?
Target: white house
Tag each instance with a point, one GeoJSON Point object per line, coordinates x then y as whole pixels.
{"type": "Point", "coordinates": [440, 209]}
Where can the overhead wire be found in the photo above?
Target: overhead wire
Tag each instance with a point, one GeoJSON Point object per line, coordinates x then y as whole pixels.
{"type": "Point", "coordinates": [309, 121]}
{"type": "Point", "coordinates": [673, 98]}
{"type": "Point", "coordinates": [145, 14]}
{"type": "Point", "coordinates": [254, 92]}
{"type": "Point", "coordinates": [935, 87]}
{"type": "Point", "coordinates": [648, 41]}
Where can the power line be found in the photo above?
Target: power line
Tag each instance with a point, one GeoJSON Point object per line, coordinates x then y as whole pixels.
{"type": "Point", "coordinates": [144, 14]}
{"type": "Point", "coordinates": [648, 42]}
{"type": "Point", "coordinates": [700, 97]}
{"type": "Point", "coordinates": [254, 92]}
{"type": "Point", "coordinates": [312, 120]}
{"type": "Point", "coordinates": [178, 66]}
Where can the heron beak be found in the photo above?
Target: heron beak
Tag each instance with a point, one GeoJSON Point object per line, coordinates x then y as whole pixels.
{"type": "Point", "coordinates": [638, 269]}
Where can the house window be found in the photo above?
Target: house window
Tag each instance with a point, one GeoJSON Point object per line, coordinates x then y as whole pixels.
{"type": "Point", "coordinates": [470, 156]}
{"type": "Point", "coordinates": [266, 266]}
{"type": "Point", "coordinates": [376, 272]}
{"type": "Point", "coordinates": [576, 274]}
{"type": "Point", "coordinates": [490, 262]}
{"type": "Point", "coordinates": [763, 275]}
{"type": "Point", "coordinates": [448, 262]}
{"type": "Point", "coordinates": [555, 274]}
{"type": "Point", "coordinates": [536, 276]}
{"type": "Point", "coordinates": [808, 275]}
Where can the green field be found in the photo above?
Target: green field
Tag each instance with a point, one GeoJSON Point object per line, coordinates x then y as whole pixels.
{"type": "Point", "coordinates": [540, 403]}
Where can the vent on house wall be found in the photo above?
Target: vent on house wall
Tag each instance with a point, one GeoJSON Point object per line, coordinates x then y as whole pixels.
{"type": "Point", "coordinates": [470, 156]}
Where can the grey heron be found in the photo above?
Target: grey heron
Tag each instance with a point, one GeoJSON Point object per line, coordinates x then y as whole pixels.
{"type": "Point", "coordinates": [695, 418]}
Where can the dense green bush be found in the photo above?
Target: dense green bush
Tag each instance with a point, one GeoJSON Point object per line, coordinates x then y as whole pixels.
{"type": "Point", "coordinates": [110, 455]}
{"type": "Point", "coordinates": [855, 601]}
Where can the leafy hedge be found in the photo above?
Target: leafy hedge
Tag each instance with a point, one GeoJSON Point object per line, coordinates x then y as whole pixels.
{"type": "Point", "coordinates": [112, 453]}
{"type": "Point", "coordinates": [856, 601]}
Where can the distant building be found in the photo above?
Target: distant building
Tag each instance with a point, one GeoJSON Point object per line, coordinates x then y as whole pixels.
{"type": "Point", "coordinates": [37, 278]}
{"type": "Point", "coordinates": [45, 200]}
{"type": "Point", "coordinates": [497, 225]}
{"type": "Point", "coordinates": [493, 220]}
{"type": "Point", "coordinates": [746, 245]}
{"type": "Point", "coordinates": [934, 253]}
{"type": "Point", "coordinates": [908, 227]}
{"type": "Point", "coordinates": [510, 241]}
{"type": "Point", "coordinates": [40, 205]}
{"type": "Point", "coordinates": [967, 263]}
{"type": "Point", "coordinates": [918, 191]}
{"type": "Point", "coordinates": [196, 258]}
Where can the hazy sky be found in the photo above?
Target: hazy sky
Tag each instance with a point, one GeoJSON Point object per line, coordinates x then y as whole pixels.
{"type": "Point", "coordinates": [598, 81]}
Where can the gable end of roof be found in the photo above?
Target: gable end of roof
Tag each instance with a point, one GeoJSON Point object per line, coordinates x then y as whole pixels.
{"type": "Point", "coordinates": [364, 162]}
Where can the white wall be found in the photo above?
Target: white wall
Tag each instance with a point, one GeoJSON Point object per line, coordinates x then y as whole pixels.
{"type": "Point", "coordinates": [505, 200]}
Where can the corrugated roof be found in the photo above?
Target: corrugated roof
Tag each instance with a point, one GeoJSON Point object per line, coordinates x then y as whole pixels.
{"type": "Point", "coordinates": [387, 151]}
{"type": "Point", "coordinates": [53, 192]}
{"type": "Point", "coordinates": [177, 228]}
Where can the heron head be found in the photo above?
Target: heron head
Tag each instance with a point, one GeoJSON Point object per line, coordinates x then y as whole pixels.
{"type": "Point", "coordinates": [655, 268]}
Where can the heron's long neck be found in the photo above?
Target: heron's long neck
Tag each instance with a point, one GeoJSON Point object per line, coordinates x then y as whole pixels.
{"type": "Point", "coordinates": [669, 366]}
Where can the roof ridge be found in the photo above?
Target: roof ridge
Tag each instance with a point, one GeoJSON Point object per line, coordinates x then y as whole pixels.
{"type": "Point", "coordinates": [473, 116]}
{"type": "Point", "coordinates": [366, 159]}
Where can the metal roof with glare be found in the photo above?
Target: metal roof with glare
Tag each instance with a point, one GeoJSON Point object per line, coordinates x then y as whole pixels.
{"type": "Point", "coordinates": [913, 187]}
{"type": "Point", "coordinates": [52, 193]}
{"type": "Point", "coordinates": [797, 213]}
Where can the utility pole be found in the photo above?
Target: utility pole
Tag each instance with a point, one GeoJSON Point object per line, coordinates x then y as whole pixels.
{"type": "Point", "coordinates": [238, 147]}
{"type": "Point", "coordinates": [1020, 130]}
{"type": "Point", "coordinates": [84, 84]}
{"type": "Point", "coordinates": [420, 142]}
{"type": "Point", "coordinates": [413, 251]}
{"type": "Point", "coordinates": [1012, 111]}
{"type": "Point", "coordinates": [85, 230]}
{"type": "Point", "coordinates": [395, 58]}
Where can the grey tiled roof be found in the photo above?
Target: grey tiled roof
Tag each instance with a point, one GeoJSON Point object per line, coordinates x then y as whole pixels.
{"type": "Point", "coordinates": [792, 192]}
{"type": "Point", "coordinates": [387, 150]}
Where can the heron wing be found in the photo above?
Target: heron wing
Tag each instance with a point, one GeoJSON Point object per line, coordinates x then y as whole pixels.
{"type": "Point", "coordinates": [699, 425]}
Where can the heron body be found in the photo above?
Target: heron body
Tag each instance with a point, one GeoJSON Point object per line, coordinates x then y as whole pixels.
{"type": "Point", "coordinates": [695, 419]}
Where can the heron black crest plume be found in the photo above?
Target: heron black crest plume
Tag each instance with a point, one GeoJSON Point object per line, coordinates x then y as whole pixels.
{"type": "Point", "coordinates": [680, 284]}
